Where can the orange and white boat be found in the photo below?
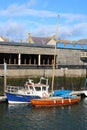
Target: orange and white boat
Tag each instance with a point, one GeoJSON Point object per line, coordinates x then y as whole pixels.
{"type": "Point", "coordinates": [55, 101]}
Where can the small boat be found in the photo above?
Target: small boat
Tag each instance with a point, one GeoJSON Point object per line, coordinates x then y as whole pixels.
{"type": "Point", "coordinates": [55, 101]}
{"type": "Point", "coordinates": [29, 91]}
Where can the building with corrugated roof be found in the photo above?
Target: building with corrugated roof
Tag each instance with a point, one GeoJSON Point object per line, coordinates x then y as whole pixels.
{"type": "Point", "coordinates": [35, 57]}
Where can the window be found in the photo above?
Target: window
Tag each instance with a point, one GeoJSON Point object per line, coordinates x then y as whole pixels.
{"type": "Point", "coordinates": [43, 88]}
{"type": "Point", "coordinates": [38, 88]}
{"type": "Point", "coordinates": [31, 88]}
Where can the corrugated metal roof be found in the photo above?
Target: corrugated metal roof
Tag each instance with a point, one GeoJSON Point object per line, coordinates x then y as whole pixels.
{"type": "Point", "coordinates": [59, 45]}
{"type": "Point", "coordinates": [26, 44]}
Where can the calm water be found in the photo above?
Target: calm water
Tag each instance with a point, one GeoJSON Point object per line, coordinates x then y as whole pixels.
{"type": "Point", "coordinates": [26, 117]}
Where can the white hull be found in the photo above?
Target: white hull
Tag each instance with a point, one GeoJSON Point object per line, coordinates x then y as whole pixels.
{"type": "Point", "coordinates": [14, 102]}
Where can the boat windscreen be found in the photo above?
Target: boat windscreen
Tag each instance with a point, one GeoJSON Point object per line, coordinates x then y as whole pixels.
{"type": "Point", "coordinates": [43, 88]}
{"type": "Point", "coordinates": [38, 88]}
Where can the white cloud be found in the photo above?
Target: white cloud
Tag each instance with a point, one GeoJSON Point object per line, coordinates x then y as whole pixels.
{"type": "Point", "coordinates": [12, 30]}
{"type": "Point", "coordinates": [73, 17]}
{"type": "Point", "coordinates": [16, 31]}
{"type": "Point", "coordinates": [74, 31]}
{"type": "Point", "coordinates": [27, 9]}
{"type": "Point", "coordinates": [15, 10]}
{"type": "Point", "coordinates": [72, 25]}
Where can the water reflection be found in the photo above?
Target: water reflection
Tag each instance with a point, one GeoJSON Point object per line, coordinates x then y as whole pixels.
{"type": "Point", "coordinates": [26, 117]}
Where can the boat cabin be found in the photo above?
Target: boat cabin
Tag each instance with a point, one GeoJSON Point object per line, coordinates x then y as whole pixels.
{"type": "Point", "coordinates": [30, 88]}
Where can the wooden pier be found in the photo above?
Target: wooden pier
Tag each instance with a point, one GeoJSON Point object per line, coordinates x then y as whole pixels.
{"type": "Point", "coordinates": [82, 92]}
{"type": "Point", "coordinates": [3, 98]}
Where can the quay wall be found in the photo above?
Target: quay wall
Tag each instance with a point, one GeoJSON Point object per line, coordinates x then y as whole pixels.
{"type": "Point", "coordinates": [41, 72]}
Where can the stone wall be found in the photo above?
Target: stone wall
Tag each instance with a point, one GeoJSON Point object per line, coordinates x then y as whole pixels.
{"type": "Point", "coordinates": [42, 72]}
{"type": "Point", "coordinates": [69, 57]}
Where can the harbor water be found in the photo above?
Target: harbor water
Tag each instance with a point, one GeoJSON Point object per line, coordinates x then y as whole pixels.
{"type": "Point", "coordinates": [26, 117]}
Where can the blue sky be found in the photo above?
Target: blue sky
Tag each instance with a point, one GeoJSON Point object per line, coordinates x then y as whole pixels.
{"type": "Point", "coordinates": [40, 18]}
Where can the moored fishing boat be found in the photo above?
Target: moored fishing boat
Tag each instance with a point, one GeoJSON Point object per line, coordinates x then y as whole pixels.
{"type": "Point", "coordinates": [55, 101]}
{"type": "Point", "coordinates": [29, 91]}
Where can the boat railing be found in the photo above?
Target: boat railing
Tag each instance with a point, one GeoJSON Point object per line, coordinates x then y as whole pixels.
{"type": "Point", "coordinates": [12, 89]}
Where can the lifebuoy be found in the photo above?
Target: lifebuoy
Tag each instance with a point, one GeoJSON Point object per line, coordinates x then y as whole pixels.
{"type": "Point", "coordinates": [44, 94]}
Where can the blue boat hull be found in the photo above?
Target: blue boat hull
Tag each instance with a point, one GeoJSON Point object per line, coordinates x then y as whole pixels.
{"type": "Point", "coordinates": [15, 98]}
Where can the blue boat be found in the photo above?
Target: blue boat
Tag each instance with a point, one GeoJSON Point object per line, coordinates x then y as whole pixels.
{"type": "Point", "coordinates": [29, 91]}
{"type": "Point", "coordinates": [18, 98]}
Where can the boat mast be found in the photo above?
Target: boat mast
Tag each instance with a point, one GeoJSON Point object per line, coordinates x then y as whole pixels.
{"type": "Point", "coordinates": [53, 70]}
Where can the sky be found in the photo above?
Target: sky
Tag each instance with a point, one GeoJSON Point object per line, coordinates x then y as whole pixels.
{"type": "Point", "coordinates": [65, 18]}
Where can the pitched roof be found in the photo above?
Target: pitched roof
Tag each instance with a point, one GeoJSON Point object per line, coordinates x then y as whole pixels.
{"type": "Point", "coordinates": [41, 40]}
{"type": "Point", "coordinates": [82, 41]}
{"type": "Point", "coordinates": [3, 39]}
